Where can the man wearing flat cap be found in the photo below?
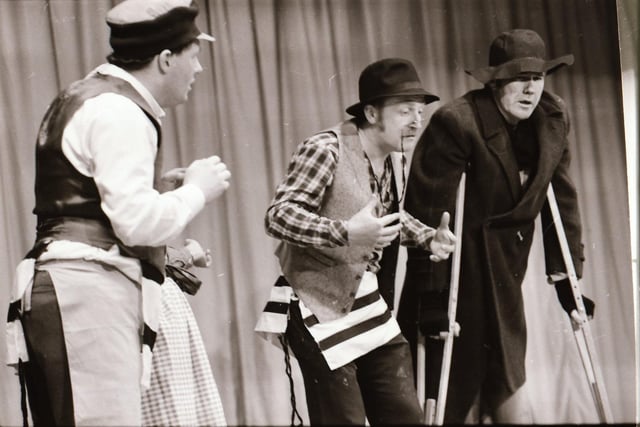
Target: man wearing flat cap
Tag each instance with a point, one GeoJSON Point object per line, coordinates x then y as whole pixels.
{"type": "Point", "coordinates": [87, 292]}
{"type": "Point", "coordinates": [510, 138]}
{"type": "Point", "coordinates": [336, 216]}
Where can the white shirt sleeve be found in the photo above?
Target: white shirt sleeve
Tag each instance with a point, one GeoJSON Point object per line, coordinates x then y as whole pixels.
{"type": "Point", "coordinates": [112, 140]}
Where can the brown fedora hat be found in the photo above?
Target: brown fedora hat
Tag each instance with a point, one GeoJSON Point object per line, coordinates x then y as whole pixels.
{"type": "Point", "coordinates": [518, 51]}
{"type": "Point", "coordinates": [389, 77]}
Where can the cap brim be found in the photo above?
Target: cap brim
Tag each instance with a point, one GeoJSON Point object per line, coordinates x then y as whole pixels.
{"type": "Point", "coordinates": [356, 108]}
{"type": "Point", "coordinates": [206, 37]}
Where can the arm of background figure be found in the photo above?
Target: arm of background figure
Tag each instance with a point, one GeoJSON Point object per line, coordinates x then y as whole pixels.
{"type": "Point", "coordinates": [567, 198]}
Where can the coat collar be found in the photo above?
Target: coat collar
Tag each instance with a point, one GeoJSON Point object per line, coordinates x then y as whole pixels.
{"type": "Point", "coordinates": [495, 133]}
{"type": "Point", "coordinates": [549, 124]}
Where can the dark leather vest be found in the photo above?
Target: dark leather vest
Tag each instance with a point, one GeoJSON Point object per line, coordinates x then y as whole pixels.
{"type": "Point", "coordinates": [64, 196]}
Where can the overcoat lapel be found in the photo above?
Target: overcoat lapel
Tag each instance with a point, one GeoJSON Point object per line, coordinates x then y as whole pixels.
{"type": "Point", "coordinates": [550, 131]}
{"type": "Point", "coordinates": [497, 139]}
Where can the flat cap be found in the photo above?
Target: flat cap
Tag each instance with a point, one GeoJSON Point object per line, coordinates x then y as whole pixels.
{"type": "Point", "coordinates": [141, 29]}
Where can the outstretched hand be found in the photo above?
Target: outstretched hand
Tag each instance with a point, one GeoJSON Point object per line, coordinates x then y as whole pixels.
{"type": "Point", "coordinates": [443, 242]}
{"type": "Point", "coordinates": [365, 229]}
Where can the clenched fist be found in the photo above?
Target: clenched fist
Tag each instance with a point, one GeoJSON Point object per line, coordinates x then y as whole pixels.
{"type": "Point", "coordinates": [210, 175]}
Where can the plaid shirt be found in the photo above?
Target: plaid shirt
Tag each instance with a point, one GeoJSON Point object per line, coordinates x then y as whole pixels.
{"type": "Point", "coordinates": [292, 216]}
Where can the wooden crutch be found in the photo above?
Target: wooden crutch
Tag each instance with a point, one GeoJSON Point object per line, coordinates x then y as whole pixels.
{"type": "Point", "coordinates": [434, 410]}
{"type": "Point", "coordinates": [581, 331]}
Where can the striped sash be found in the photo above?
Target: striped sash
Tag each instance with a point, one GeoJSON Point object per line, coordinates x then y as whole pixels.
{"type": "Point", "coordinates": [366, 327]}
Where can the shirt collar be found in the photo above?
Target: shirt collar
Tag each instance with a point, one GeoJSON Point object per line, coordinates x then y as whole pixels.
{"type": "Point", "coordinates": [115, 71]}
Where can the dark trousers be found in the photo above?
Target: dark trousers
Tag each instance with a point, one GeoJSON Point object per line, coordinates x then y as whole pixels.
{"type": "Point", "coordinates": [47, 372]}
{"type": "Point", "coordinates": [378, 385]}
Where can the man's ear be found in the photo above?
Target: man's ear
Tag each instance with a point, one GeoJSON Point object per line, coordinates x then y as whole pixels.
{"type": "Point", "coordinates": [370, 113]}
{"type": "Point", "coordinates": [164, 60]}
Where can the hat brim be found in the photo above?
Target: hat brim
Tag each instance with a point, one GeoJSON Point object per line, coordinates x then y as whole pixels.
{"type": "Point", "coordinates": [511, 69]}
{"type": "Point", "coordinates": [206, 37]}
{"type": "Point", "coordinates": [356, 109]}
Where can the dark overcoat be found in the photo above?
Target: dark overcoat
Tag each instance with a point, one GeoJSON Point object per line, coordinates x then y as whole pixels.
{"type": "Point", "coordinates": [469, 134]}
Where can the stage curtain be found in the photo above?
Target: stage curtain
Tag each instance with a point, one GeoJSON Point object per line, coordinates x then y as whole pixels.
{"type": "Point", "coordinates": [283, 69]}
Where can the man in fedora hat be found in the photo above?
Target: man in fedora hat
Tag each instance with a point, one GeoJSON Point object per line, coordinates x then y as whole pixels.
{"type": "Point", "coordinates": [336, 216]}
{"type": "Point", "coordinates": [510, 138]}
{"type": "Point", "coordinates": [102, 224]}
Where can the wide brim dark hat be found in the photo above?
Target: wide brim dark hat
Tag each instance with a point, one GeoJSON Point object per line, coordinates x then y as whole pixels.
{"type": "Point", "coordinates": [515, 52]}
{"type": "Point", "coordinates": [386, 78]}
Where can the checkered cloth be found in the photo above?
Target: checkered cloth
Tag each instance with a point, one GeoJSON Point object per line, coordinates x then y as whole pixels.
{"type": "Point", "coordinates": [183, 391]}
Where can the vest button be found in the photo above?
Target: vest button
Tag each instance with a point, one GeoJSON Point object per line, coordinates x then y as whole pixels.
{"type": "Point", "coordinates": [358, 276]}
{"type": "Point", "coordinates": [352, 294]}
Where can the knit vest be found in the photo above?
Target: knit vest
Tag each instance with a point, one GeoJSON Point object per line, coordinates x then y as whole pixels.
{"type": "Point", "coordinates": [326, 279]}
{"type": "Point", "coordinates": [64, 195]}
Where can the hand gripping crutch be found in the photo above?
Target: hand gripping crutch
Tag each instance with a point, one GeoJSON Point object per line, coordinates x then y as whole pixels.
{"type": "Point", "coordinates": [434, 410]}
{"type": "Point", "coordinates": [581, 332]}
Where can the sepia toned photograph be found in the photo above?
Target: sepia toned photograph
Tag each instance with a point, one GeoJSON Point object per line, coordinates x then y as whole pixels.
{"type": "Point", "coordinates": [319, 212]}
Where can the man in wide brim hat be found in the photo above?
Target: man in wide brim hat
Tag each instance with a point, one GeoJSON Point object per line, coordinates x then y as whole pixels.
{"type": "Point", "coordinates": [515, 52]}
{"type": "Point", "coordinates": [510, 138]}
